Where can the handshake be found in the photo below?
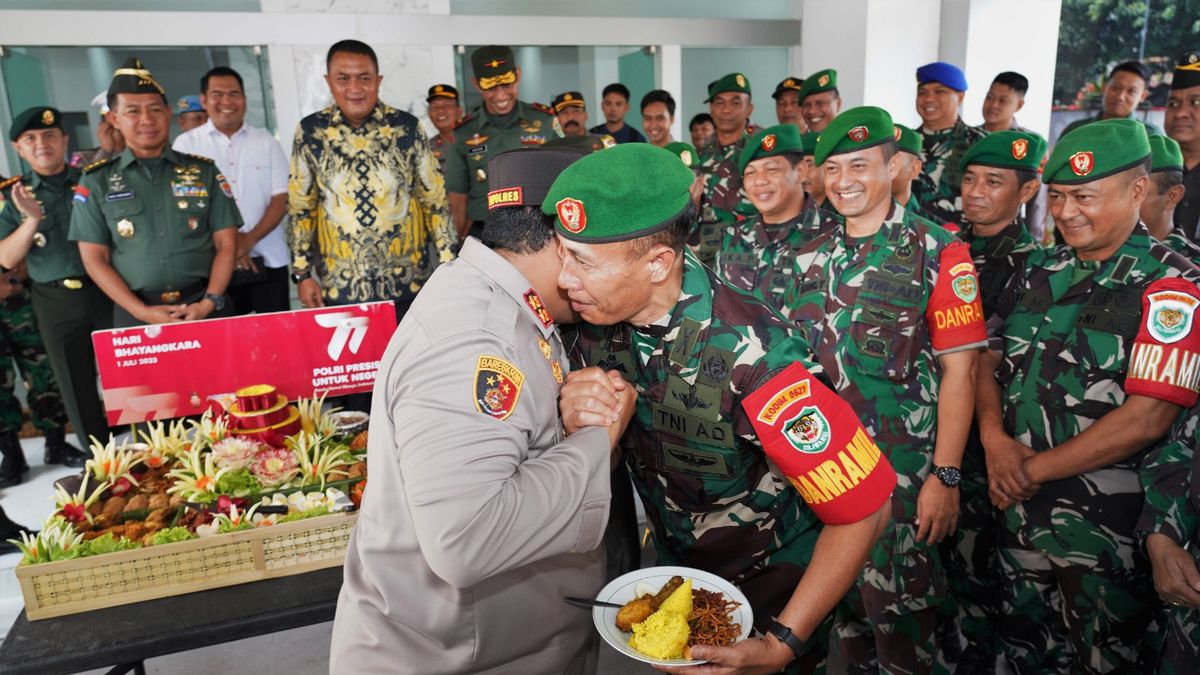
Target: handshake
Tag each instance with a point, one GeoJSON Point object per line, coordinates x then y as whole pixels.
{"type": "Point", "coordinates": [593, 397]}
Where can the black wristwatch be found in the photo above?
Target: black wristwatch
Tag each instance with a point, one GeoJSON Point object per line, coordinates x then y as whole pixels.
{"type": "Point", "coordinates": [297, 277]}
{"type": "Point", "coordinates": [785, 635]}
{"type": "Point", "coordinates": [949, 475]}
{"type": "Point", "coordinates": [218, 301]}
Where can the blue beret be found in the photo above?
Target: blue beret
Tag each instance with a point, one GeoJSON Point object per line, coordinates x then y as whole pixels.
{"type": "Point", "coordinates": [190, 103]}
{"type": "Point", "coordinates": [945, 73]}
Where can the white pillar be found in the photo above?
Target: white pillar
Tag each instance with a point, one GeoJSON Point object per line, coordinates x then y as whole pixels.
{"type": "Point", "coordinates": [669, 76]}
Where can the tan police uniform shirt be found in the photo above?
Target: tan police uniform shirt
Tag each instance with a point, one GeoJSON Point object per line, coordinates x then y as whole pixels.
{"type": "Point", "coordinates": [479, 516]}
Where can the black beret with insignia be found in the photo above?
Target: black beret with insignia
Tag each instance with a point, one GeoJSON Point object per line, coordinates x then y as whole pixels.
{"type": "Point", "coordinates": [33, 119]}
{"type": "Point", "coordinates": [523, 176]}
{"type": "Point", "coordinates": [133, 78]}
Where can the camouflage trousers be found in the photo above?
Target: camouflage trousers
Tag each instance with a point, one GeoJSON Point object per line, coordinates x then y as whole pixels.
{"type": "Point", "coordinates": [887, 622]}
{"type": "Point", "coordinates": [1181, 641]}
{"type": "Point", "coordinates": [973, 570]}
{"type": "Point", "coordinates": [1076, 613]}
{"type": "Point", "coordinates": [21, 349]}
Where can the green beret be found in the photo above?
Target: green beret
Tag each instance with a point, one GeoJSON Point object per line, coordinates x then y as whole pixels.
{"type": "Point", "coordinates": [1019, 150]}
{"type": "Point", "coordinates": [34, 119]}
{"type": "Point", "coordinates": [809, 141]}
{"type": "Point", "coordinates": [908, 140]}
{"type": "Point", "coordinates": [626, 192]}
{"type": "Point", "coordinates": [685, 152]}
{"type": "Point", "coordinates": [790, 84]}
{"type": "Point", "coordinates": [1097, 150]}
{"type": "Point", "coordinates": [780, 139]}
{"type": "Point", "coordinates": [820, 81]}
{"type": "Point", "coordinates": [133, 78]}
{"type": "Point", "coordinates": [494, 65]}
{"type": "Point", "coordinates": [1165, 154]}
{"type": "Point", "coordinates": [731, 82]}
{"type": "Point", "coordinates": [856, 129]}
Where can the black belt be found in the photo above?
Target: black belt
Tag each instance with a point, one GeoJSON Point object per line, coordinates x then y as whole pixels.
{"type": "Point", "coordinates": [172, 296]}
{"type": "Point", "coordinates": [69, 283]}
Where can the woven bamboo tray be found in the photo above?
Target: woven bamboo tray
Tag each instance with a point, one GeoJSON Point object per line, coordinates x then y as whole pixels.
{"type": "Point", "coordinates": [73, 586]}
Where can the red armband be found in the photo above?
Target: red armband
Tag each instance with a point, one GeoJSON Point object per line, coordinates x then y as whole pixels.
{"type": "Point", "coordinates": [815, 438]}
{"type": "Point", "coordinates": [955, 312]}
{"type": "Point", "coordinates": [1165, 360]}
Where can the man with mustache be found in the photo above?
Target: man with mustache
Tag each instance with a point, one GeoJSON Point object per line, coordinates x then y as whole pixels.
{"type": "Point", "coordinates": [723, 203]}
{"type": "Point", "coordinates": [1182, 121]}
{"type": "Point", "coordinates": [787, 103]}
{"type": "Point", "coordinates": [944, 140]}
{"type": "Point", "coordinates": [819, 99]}
{"type": "Point", "coordinates": [444, 110]}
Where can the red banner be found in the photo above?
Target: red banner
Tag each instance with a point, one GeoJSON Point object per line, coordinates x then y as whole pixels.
{"type": "Point", "coordinates": [171, 370]}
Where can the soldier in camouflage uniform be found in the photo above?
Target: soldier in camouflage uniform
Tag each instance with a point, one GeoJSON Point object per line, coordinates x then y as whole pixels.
{"type": "Point", "coordinates": [908, 142]}
{"type": "Point", "coordinates": [1097, 357]}
{"type": "Point", "coordinates": [889, 302]}
{"type": "Point", "coordinates": [723, 202]}
{"type": "Point", "coordinates": [999, 175]}
{"type": "Point", "coordinates": [698, 352]}
{"type": "Point", "coordinates": [945, 139]}
{"type": "Point", "coordinates": [758, 256]}
{"type": "Point", "coordinates": [1166, 191]}
{"type": "Point", "coordinates": [1171, 526]}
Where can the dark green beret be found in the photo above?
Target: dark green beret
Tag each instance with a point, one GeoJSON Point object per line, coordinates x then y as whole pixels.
{"type": "Point", "coordinates": [34, 119]}
{"type": "Point", "coordinates": [809, 141]}
{"type": "Point", "coordinates": [1019, 150]}
{"type": "Point", "coordinates": [494, 65]}
{"type": "Point", "coordinates": [1097, 150]}
{"type": "Point", "coordinates": [820, 81]}
{"type": "Point", "coordinates": [133, 78]}
{"type": "Point", "coordinates": [523, 176]}
{"type": "Point", "coordinates": [623, 193]}
{"type": "Point", "coordinates": [780, 139]}
{"type": "Point", "coordinates": [908, 140]}
{"type": "Point", "coordinates": [442, 91]}
{"type": "Point", "coordinates": [686, 153]}
{"type": "Point", "coordinates": [1165, 154]}
{"type": "Point", "coordinates": [1187, 72]}
{"type": "Point", "coordinates": [731, 82]}
{"type": "Point", "coordinates": [567, 99]}
{"type": "Point", "coordinates": [790, 84]}
{"type": "Point", "coordinates": [856, 129]}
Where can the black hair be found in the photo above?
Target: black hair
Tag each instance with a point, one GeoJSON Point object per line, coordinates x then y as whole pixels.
{"type": "Point", "coordinates": [700, 118]}
{"type": "Point", "coordinates": [616, 88]}
{"type": "Point", "coordinates": [1136, 67]}
{"type": "Point", "coordinates": [1024, 176]}
{"type": "Point", "coordinates": [221, 71]}
{"type": "Point", "coordinates": [351, 47]}
{"type": "Point", "coordinates": [519, 229]}
{"type": "Point", "coordinates": [660, 96]}
{"type": "Point", "coordinates": [1166, 179]}
{"type": "Point", "coordinates": [673, 236]}
{"type": "Point", "coordinates": [1015, 81]}
{"type": "Point", "coordinates": [111, 99]}
{"type": "Point", "coordinates": [890, 148]}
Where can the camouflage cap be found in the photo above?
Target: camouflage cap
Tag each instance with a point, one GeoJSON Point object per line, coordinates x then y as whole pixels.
{"type": "Point", "coordinates": [1097, 150]}
{"type": "Point", "coordinates": [494, 65]}
{"type": "Point", "coordinates": [908, 140]}
{"type": "Point", "coordinates": [35, 119]}
{"type": "Point", "coordinates": [809, 141]}
{"type": "Point", "coordinates": [856, 129]}
{"type": "Point", "coordinates": [1010, 149]}
{"type": "Point", "coordinates": [567, 99]}
{"type": "Point", "coordinates": [818, 82]}
{"type": "Point", "coordinates": [442, 91]}
{"type": "Point", "coordinates": [1165, 154]}
{"type": "Point", "coordinates": [732, 82]}
{"type": "Point", "coordinates": [686, 153]}
{"type": "Point", "coordinates": [790, 84]}
{"type": "Point", "coordinates": [1187, 72]}
{"type": "Point", "coordinates": [133, 78]}
{"type": "Point", "coordinates": [781, 139]}
{"type": "Point", "coordinates": [523, 176]}
{"type": "Point", "coordinates": [623, 193]}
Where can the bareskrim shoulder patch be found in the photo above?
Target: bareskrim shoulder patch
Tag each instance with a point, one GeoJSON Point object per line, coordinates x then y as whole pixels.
{"type": "Point", "coordinates": [497, 386]}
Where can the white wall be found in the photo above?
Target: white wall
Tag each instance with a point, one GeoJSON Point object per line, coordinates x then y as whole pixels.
{"type": "Point", "coordinates": [763, 66]}
{"type": "Point", "coordinates": [901, 37]}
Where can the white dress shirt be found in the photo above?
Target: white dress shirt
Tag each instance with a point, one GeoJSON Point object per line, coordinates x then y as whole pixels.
{"type": "Point", "coordinates": [257, 170]}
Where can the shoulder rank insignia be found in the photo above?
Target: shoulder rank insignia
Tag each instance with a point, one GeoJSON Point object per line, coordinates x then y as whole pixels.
{"type": "Point", "coordinates": [466, 118]}
{"type": "Point", "coordinates": [497, 387]}
{"type": "Point", "coordinates": [202, 158]}
{"type": "Point", "coordinates": [9, 182]}
{"type": "Point", "coordinates": [539, 308]}
{"type": "Point", "coordinates": [96, 165]}
{"type": "Point", "coordinates": [540, 107]}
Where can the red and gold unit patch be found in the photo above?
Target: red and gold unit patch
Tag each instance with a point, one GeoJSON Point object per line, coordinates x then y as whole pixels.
{"type": "Point", "coordinates": [1082, 163]}
{"type": "Point", "coordinates": [513, 196]}
{"type": "Point", "coordinates": [571, 214]}
{"type": "Point", "coordinates": [539, 308]}
{"type": "Point", "coordinates": [1020, 148]}
{"type": "Point", "coordinates": [497, 387]}
{"type": "Point", "coordinates": [768, 142]}
{"type": "Point", "coordinates": [225, 186]}
{"type": "Point", "coordinates": [858, 134]}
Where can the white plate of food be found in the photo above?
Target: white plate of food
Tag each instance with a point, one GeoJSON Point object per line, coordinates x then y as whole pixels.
{"type": "Point", "coordinates": [719, 614]}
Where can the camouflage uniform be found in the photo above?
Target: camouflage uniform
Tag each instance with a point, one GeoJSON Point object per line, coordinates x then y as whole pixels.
{"type": "Point", "coordinates": [1077, 590]}
{"type": "Point", "coordinates": [1172, 509]}
{"type": "Point", "coordinates": [939, 187]}
{"type": "Point", "coordinates": [1177, 241]}
{"type": "Point", "coordinates": [21, 348]}
{"type": "Point", "coordinates": [712, 498]}
{"type": "Point", "coordinates": [758, 256]}
{"type": "Point", "coordinates": [878, 315]}
{"type": "Point", "coordinates": [723, 202]}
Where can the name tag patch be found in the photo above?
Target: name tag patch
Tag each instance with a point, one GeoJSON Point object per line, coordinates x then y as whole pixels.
{"type": "Point", "coordinates": [117, 196]}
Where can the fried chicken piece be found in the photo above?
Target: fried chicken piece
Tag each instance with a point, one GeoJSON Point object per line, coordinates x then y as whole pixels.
{"type": "Point", "coordinates": [137, 503]}
{"type": "Point", "coordinates": [635, 611]}
{"type": "Point", "coordinates": [159, 501]}
{"type": "Point", "coordinates": [360, 441]}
